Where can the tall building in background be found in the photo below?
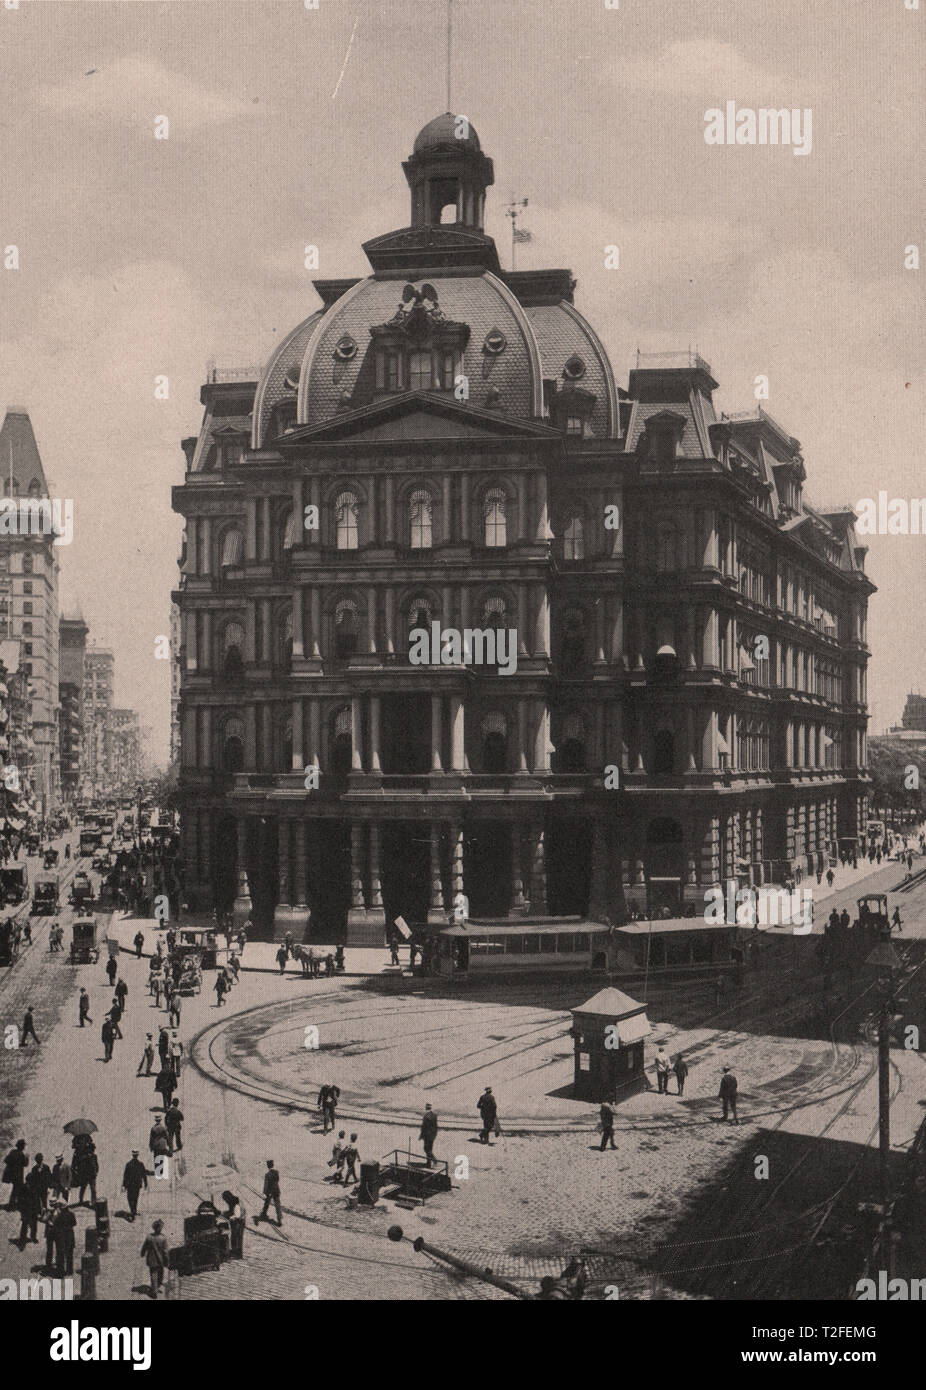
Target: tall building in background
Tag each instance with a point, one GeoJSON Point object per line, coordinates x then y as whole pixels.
{"type": "Point", "coordinates": [174, 759]}
{"type": "Point", "coordinates": [125, 749]}
{"type": "Point", "coordinates": [98, 704]}
{"type": "Point", "coordinates": [72, 645]}
{"type": "Point", "coordinates": [29, 608]}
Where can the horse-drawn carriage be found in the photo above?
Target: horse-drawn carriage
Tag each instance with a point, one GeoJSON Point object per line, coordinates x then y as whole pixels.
{"type": "Point", "coordinates": [51, 857]}
{"type": "Point", "coordinates": [14, 884]}
{"type": "Point", "coordinates": [82, 892]}
{"type": "Point", "coordinates": [9, 941]}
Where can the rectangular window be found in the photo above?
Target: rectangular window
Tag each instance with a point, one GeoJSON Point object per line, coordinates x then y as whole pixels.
{"type": "Point", "coordinates": [27, 629]}
{"type": "Point", "coordinates": [380, 371]}
{"type": "Point", "coordinates": [573, 424]}
{"type": "Point", "coordinates": [28, 648]}
{"type": "Point", "coordinates": [27, 586]}
{"type": "Point", "coordinates": [27, 607]}
{"type": "Point", "coordinates": [420, 371]}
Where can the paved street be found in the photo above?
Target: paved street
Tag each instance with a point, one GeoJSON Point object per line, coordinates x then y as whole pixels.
{"type": "Point", "coordinates": [538, 1194]}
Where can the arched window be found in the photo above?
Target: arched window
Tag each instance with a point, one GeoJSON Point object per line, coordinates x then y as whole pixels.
{"type": "Point", "coordinates": [346, 516]}
{"type": "Point", "coordinates": [286, 639]}
{"type": "Point", "coordinates": [494, 743]}
{"type": "Point", "coordinates": [419, 614]}
{"type": "Point", "coordinates": [496, 533]}
{"type": "Point", "coordinates": [571, 751]}
{"type": "Point", "coordinates": [233, 745]}
{"type": "Point", "coordinates": [35, 488]}
{"type": "Point", "coordinates": [663, 753]}
{"type": "Point", "coordinates": [493, 617]}
{"type": "Point", "coordinates": [232, 649]}
{"type": "Point", "coordinates": [574, 539]}
{"type": "Point", "coordinates": [346, 629]}
{"type": "Point", "coordinates": [572, 655]}
{"type": "Point", "coordinates": [342, 742]}
{"type": "Point", "coordinates": [232, 549]}
{"type": "Point", "coordinates": [419, 521]}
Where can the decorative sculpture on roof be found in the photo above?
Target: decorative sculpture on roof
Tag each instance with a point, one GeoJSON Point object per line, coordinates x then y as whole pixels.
{"type": "Point", "coordinates": [418, 310]}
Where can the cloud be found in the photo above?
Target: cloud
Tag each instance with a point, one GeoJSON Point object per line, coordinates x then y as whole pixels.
{"type": "Point", "coordinates": [132, 91]}
{"type": "Point", "coordinates": [706, 69]}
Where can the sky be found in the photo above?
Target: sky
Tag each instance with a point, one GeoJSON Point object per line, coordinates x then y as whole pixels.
{"type": "Point", "coordinates": [141, 258]}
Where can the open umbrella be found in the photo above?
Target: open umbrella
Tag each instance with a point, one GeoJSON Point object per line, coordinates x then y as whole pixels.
{"type": "Point", "coordinates": [80, 1127]}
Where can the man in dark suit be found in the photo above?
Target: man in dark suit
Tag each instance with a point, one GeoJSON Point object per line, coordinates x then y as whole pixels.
{"type": "Point", "coordinates": [728, 1088]}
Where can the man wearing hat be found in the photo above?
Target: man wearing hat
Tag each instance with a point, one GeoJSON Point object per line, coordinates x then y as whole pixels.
{"type": "Point", "coordinates": [428, 1132]}
{"type": "Point", "coordinates": [61, 1178]}
{"type": "Point", "coordinates": [65, 1226]}
{"type": "Point", "coordinates": [134, 1178]}
{"type": "Point", "coordinates": [728, 1087]}
{"type": "Point", "coordinates": [488, 1109]}
{"type": "Point", "coordinates": [154, 1253]}
{"type": "Point", "coordinates": [51, 1222]}
{"type": "Point", "coordinates": [147, 1056]}
{"type": "Point", "coordinates": [271, 1194]}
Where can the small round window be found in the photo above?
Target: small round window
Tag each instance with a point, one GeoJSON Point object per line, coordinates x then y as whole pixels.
{"type": "Point", "coordinates": [495, 342]}
{"type": "Point", "coordinates": [345, 348]}
{"type": "Point", "coordinates": [574, 368]}
{"type": "Point", "coordinates": [291, 381]}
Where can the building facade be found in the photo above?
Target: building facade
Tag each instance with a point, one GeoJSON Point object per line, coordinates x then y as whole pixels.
{"type": "Point", "coordinates": [125, 750]}
{"type": "Point", "coordinates": [646, 669]}
{"type": "Point", "coordinates": [29, 596]}
{"type": "Point", "coordinates": [99, 668]}
{"type": "Point", "coordinates": [72, 643]}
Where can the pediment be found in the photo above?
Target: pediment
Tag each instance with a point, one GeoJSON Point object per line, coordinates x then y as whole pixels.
{"type": "Point", "coordinates": [415, 415]}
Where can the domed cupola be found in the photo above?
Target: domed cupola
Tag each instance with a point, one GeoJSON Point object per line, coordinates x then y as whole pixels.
{"type": "Point", "coordinates": [448, 174]}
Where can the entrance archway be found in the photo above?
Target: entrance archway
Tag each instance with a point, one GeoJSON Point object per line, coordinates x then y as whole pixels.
{"type": "Point", "coordinates": [664, 866]}
{"type": "Point", "coordinates": [487, 869]}
{"type": "Point", "coordinates": [405, 871]}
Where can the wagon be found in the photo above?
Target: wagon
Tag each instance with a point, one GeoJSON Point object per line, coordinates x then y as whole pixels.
{"type": "Point", "coordinates": [84, 948]}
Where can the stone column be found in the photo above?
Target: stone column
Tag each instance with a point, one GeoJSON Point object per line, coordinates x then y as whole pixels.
{"type": "Point", "coordinates": [251, 529]}
{"type": "Point", "coordinates": [298, 510]}
{"type": "Point", "coordinates": [457, 734]}
{"type": "Point", "coordinates": [205, 647]}
{"type": "Point", "coordinates": [617, 627]}
{"type": "Point", "coordinates": [315, 746]}
{"type": "Point", "coordinates": [519, 903]}
{"type": "Point", "coordinates": [265, 538]}
{"type": "Point", "coordinates": [709, 742]}
{"type": "Point", "coordinates": [242, 907]}
{"type": "Point", "coordinates": [538, 902]}
{"type": "Point", "coordinates": [375, 763]}
{"type": "Point", "coordinates": [314, 535]}
{"type": "Point", "coordinates": [446, 532]}
{"type": "Point", "coordinates": [436, 764]}
{"type": "Point", "coordinates": [436, 911]}
{"type": "Point", "coordinates": [315, 611]}
{"type": "Point", "coordinates": [206, 757]}
{"type": "Point", "coordinates": [390, 620]}
{"type": "Point", "coordinates": [299, 875]}
{"type": "Point", "coordinates": [267, 634]}
{"type": "Point", "coordinates": [541, 737]}
{"type": "Point", "coordinates": [523, 620]}
{"type": "Point", "coordinates": [250, 738]}
{"type": "Point", "coordinates": [711, 645]}
{"type": "Point", "coordinates": [192, 548]}
{"type": "Point", "coordinates": [206, 556]}
{"type": "Point", "coordinates": [191, 643]}
{"type": "Point", "coordinates": [376, 912]}
{"type": "Point", "coordinates": [298, 621]}
{"type": "Point", "coordinates": [692, 741]}
{"type": "Point", "coordinates": [250, 633]}
{"type": "Point", "coordinates": [542, 624]}
{"type": "Point", "coordinates": [600, 631]}
{"type": "Point", "coordinates": [464, 507]}
{"type": "Point", "coordinates": [283, 839]}
{"type": "Point", "coordinates": [357, 900]}
{"type": "Point", "coordinates": [390, 510]}
{"type": "Point", "coordinates": [521, 482]}
{"type": "Point", "coordinates": [356, 735]}
{"type": "Point", "coordinates": [266, 713]}
{"type": "Point", "coordinates": [543, 521]}
{"type": "Point", "coordinates": [298, 729]}
{"type": "Point", "coordinates": [456, 866]}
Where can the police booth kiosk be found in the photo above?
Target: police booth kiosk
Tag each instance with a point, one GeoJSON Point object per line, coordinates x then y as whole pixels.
{"type": "Point", "coordinates": [608, 1032]}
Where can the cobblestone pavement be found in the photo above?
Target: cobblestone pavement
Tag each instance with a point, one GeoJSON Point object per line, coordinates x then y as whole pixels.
{"type": "Point", "coordinates": [643, 1214]}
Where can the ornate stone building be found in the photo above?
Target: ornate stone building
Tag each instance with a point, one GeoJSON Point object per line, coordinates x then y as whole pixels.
{"type": "Point", "coordinates": [443, 442]}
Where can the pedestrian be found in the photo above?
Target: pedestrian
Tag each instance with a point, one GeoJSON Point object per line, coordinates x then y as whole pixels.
{"type": "Point", "coordinates": [662, 1071]}
{"type": "Point", "coordinates": [428, 1132]}
{"type": "Point", "coordinates": [329, 964]}
{"type": "Point", "coordinates": [220, 987]}
{"type": "Point", "coordinates": [176, 1053]}
{"type": "Point", "coordinates": [61, 1178]}
{"type": "Point", "coordinates": [235, 964]}
{"type": "Point", "coordinates": [488, 1109]}
{"type": "Point", "coordinates": [32, 1201]}
{"type": "Point", "coordinates": [895, 920]}
{"type": "Point", "coordinates": [50, 1224]}
{"type": "Point", "coordinates": [166, 1084]}
{"type": "Point", "coordinates": [271, 1194]}
{"type": "Point", "coordinates": [115, 1017]}
{"type": "Point", "coordinates": [830, 878]}
{"type": "Point", "coordinates": [83, 1007]}
{"type": "Point", "coordinates": [139, 943]}
{"type": "Point", "coordinates": [65, 1224]}
{"type": "Point", "coordinates": [728, 1088]}
{"type": "Point", "coordinates": [328, 1103]}
{"type": "Point", "coordinates": [174, 1013]}
{"type": "Point", "coordinates": [108, 1035]}
{"type": "Point", "coordinates": [157, 985]}
{"type": "Point", "coordinates": [154, 1253]}
{"type": "Point", "coordinates": [336, 1161]}
{"type": "Point", "coordinates": [85, 1166]}
{"type": "Point", "coordinates": [681, 1071]}
{"type": "Point", "coordinates": [147, 1056]}
{"type": "Point", "coordinates": [28, 1028]}
{"type": "Point", "coordinates": [134, 1178]}
{"type": "Point", "coordinates": [606, 1125]}
{"type": "Point", "coordinates": [14, 1172]}
{"type": "Point", "coordinates": [351, 1159]}
{"type": "Point", "coordinates": [112, 970]}
{"type": "Point", "coordinates": [173, 1121]}
{"type": "Point", "coordinates": [164, 1045]}
{"type": "Point", "coordinates": [234, 1211]}
{"type": "Point", "coordinates": [282, 957]}
{"type": "Point", "coordinates": [288, 943]}
{"type": "Point", "coordinates": [159, 1139]}
{"type": "Point", "coordinates": [122, 993]}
